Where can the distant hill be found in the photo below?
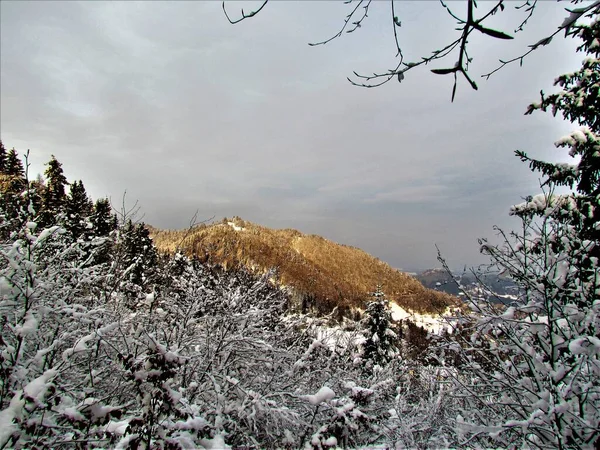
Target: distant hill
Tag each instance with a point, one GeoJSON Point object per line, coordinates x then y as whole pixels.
{"type": "Point", "coordinates": [438, 279]}
{"type": "Point", "coordinates": [321, 273]}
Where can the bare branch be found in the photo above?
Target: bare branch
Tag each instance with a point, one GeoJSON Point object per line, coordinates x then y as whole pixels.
{"type": "Point", "coordinates": [244, 15]}
{"type": "Point", "coordinates": [398, 72]}
{"type": "Point", "coordinates": [466, 25]}
{"type": "Point", "coordinates": [469, 24]}
{"type": "Point", "coordinates": [566, 25]}
{"type": "Point", "coordinates": [530, 8]}
{"type": "Point", "coordinates": [356, 24]}
{"type": "Point", "coordinates": [396, 23]}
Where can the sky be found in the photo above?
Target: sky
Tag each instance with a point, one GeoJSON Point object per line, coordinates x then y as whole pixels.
{"type": "Point", "coordinates": [169, 105]}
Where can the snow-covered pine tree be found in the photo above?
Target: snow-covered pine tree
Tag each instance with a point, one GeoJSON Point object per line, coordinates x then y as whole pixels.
{"type": "Point", "coordinates": [380, 345]}
{"type": "Point", "coordinates": [530, 375]}
{"type": "Point", "coordinates": [137, 255]}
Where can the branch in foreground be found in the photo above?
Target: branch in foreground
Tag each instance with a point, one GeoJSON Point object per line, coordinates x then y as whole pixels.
{"type": "Point", "coordinates": [568, 23]}
{"type": "Point", "coordinates": [244, 15]}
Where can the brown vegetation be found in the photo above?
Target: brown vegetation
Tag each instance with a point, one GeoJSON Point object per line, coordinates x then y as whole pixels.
{"type": "Point", "coordinates": [323, 274]}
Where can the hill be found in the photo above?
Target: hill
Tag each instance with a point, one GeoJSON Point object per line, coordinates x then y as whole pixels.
{"type": "Point", "coordinates": [321, 273]}
{"type": "Point", "coordinates": [439, 280]}
{"type": "Point", "coordinates": [490, 286]}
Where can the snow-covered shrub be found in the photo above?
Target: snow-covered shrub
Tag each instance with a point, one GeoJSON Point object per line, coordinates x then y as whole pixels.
{"type": "Point", "coordinates": [529, 374]}
{"type": "Point", "coordinates": [48, 321]}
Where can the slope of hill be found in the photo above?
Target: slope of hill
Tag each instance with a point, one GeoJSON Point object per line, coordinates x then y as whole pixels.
{"type": "Point", "coordinates": [321, 273]}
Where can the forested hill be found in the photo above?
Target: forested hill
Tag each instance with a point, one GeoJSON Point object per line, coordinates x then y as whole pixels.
{"type": "Point", "coordinates": [323, 274]}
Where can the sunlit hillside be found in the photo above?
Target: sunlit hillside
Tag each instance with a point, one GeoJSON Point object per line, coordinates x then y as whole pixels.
{"type": "Point", "coordinates": [321, 272]}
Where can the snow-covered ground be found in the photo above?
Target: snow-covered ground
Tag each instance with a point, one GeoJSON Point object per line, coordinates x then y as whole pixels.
{"type": "Point", "coordinates": [340, 338]}
{"type": "Point", "coordinates": [432, 323]}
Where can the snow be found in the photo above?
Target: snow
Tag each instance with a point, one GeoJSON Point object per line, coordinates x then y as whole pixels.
{"type": "Point", "coordinates": [288, 437]}
{"type": "Point", "coordinates": [36, 389]}
{"type": "Point", "coordinates": [330, 442]}
{"type": "Point", "coordinates": [216, 443]}
{"type": "Point", "coordinates": [99, 411]}
{"type": "Point", "coordinates": [45, 234]}
{"type": "Point", "coordinates": [431, 323]}
{"type": "Point", "coordinates": [585, 346]}
{"type": "Point", "coordinates": [124, 443]}
{"type": "Point", "coordinates": [357, 391]}
{"type": "Point", "coordinates": [324, 394]}
{"type": "Point", "coordinates": [540, 202]}
{"type": "Point", "coordinates": [574, 14]}
{"type": "Point", "coordinates": [29, 327]}
{"type": "Point", "coordinates": [7, 417]}
{"type": "Point", "coordinates": [335, 338]}
{"type": "Point", "coordinates": [73, 414]}
{"type": "Point", "coordinates": [235, 227]}
{"type": "Point", "coordinates": [117, 427]}
{"type": "Point", "coordinates": [193, 423]}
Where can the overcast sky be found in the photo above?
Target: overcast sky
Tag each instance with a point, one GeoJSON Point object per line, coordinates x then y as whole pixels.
{"type": "Point", "coordinates": [185, 112]}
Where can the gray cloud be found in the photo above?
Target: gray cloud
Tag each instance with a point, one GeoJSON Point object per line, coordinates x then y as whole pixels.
{"type": "Point", "coordinates": [167, 101]}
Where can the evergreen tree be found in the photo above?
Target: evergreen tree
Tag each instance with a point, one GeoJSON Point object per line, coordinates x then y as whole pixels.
{"type": "Point", "coordinates": [103, 224]}
{"type": "Point", "coordinates": [380, 346]}
{"type": "Point", "coordinates": [14, 165]}
{"type": "Point", "coordinates": [3, 157]}
{"type": "Point", "coordinates": [578, 102]}
{"type": "Point", "coordinates": [138, 252]}
{"type": "Point", "coordinates": [78, 208]}
{"type": "Point", "coordinates": [54, 193]}
{"type": "Point", "coordinates": [102, 218]}
{"type": "Point", "coordinates": [12, 183]}
{"type": "Point", "coordinates": [13, 180]}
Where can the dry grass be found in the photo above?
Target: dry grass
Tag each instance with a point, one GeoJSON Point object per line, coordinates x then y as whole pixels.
{"type": "Point", "coordinates": [330, 273]}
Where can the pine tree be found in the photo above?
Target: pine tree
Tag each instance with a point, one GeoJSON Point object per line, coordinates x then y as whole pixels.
{"type": "Point", "coordinates": [3, 157]}
{"type": "Point", "coordinates": [102, 218]}
{"type": "Point", "coordinates": [14, 165]}
{"type": "Point", "coordinates": [54, 194]}
{"type": "Point", "coordinates": [78, 208]}
{"type": "Point", "coordinates": [56, 183]}
{"type": "Point", "coordinates": [12, 184]}
{"type": "Point", "coordinates": [104, 222]}
{"type": "Point", "coordinates": [13, 180]}
{"type": "Point", "coordinates": [579, 212]}
{"type": "Point", "coordinates": [138, 252]}
{"type": "Point", "coordinates": [380, 346]}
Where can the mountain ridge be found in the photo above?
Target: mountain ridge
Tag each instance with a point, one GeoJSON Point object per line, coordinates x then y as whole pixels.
{"type": "Point", "coordinates": [323, 274]}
